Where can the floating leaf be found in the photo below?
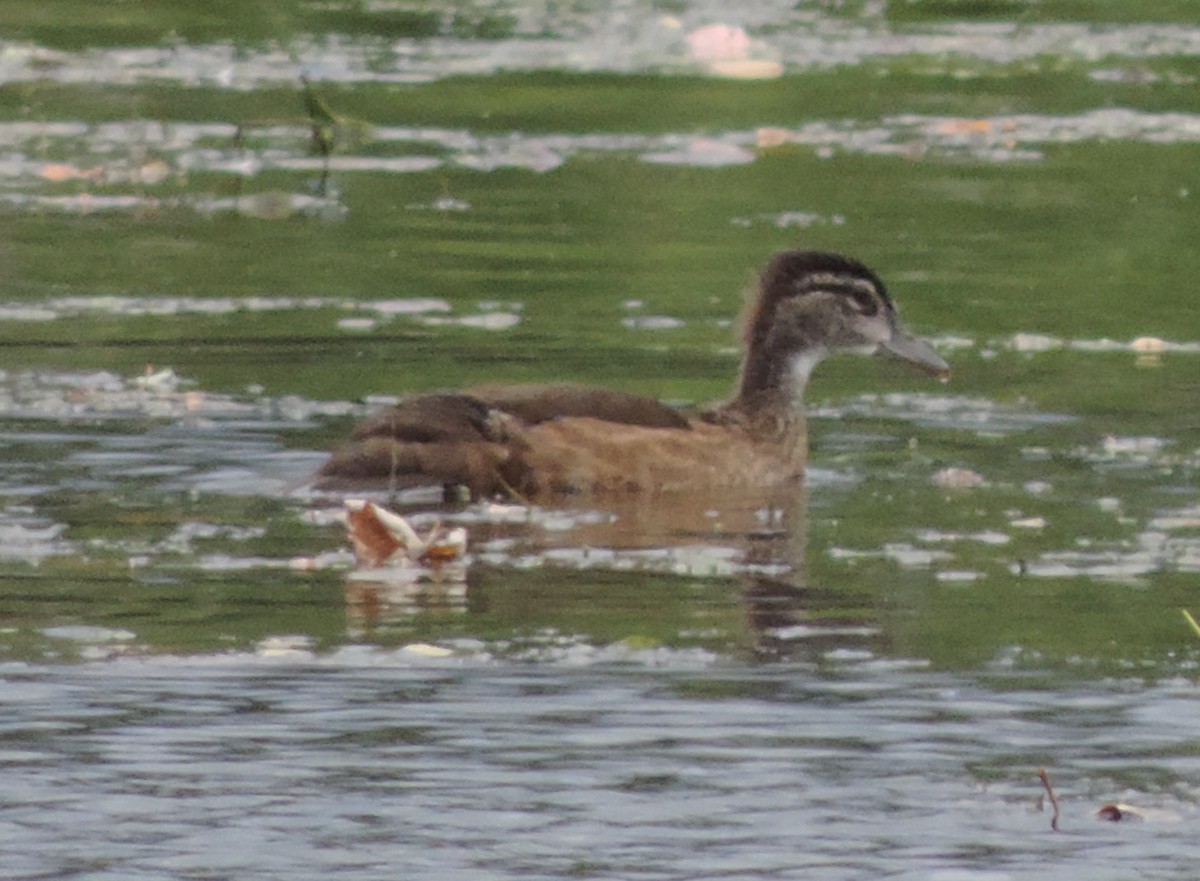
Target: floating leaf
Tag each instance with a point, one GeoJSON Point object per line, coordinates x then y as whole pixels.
{"type": "Point", "coordinates": [57, 172]}
{"type": "Point", "coordinates": [1116, 813]}
{"type": "Point", "coordinates": [957, 478]}
{"type": "Point", "coordinates": [1119, 812]}
{"type": "Point", "coordinates": [381, 537]}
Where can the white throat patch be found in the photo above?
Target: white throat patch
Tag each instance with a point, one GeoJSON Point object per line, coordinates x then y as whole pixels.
{"type": "Point", "coordinates": [803, 364]}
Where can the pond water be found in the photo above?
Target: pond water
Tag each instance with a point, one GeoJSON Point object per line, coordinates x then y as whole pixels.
{"type": "Point", "coordinates": [224, 239]}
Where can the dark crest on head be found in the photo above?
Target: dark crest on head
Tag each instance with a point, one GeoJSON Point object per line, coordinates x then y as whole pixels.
{"type": "Point", "coordinates": [796, 273]}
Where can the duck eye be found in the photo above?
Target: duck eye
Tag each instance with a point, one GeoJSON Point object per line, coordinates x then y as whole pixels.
{"type": "Point", "coordinates": [864, 300]}
{"type": "Point", "coordinates": [863, 295]}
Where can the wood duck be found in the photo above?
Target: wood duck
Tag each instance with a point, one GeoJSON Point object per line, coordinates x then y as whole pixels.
{"type": "Point", "coordinates": [534, 442]}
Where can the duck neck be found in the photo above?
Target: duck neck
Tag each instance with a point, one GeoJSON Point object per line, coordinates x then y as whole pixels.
{"type": "Point", "coordinates": [768, 403]}
{"type": "Point", "coordinates": [775, 375]}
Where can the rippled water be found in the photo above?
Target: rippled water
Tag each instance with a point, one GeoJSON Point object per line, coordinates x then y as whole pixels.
{"type": "Point", "coordinates": [373, 764]}
{"type": "Point", "coordinates": [593, 700]}
{"type": "Point", "coordinates": [224, 241]}
{"type": "Point", "coordinates": [183, 149]}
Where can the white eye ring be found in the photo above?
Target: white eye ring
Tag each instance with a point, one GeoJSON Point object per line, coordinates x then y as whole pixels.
{"type": "Point", "coordinates": [871, 328]}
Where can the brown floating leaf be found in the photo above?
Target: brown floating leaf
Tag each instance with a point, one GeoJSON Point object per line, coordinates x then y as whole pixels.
{"type": "Point", "coordinates": [381, 537]}
{"type": "Point", "coordinates": [1115, 813]}
{"type": "Point", "coordinates": [373, 542]}
{"type": "Point", "coordinates": [1119, 812]}
{"type": "Point", "coordinates": [57, 172]}
{"type": "Point", "coordinates": [966, 127]}
{"type": "Point", "coordinates": [443, 546]}
{"type": "Point", "coordinates": [957, 478]}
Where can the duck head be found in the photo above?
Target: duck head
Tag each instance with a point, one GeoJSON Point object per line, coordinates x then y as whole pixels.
{"type": "Point", "coordinates": [812, 304]}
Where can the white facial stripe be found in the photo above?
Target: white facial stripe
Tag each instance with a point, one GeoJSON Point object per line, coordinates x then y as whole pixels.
{"type": "Point", "coordinates": [872, 328]}
{"type": "Point", "coordinates": [835, 282]}
{"type": "Point", "coordinates": [864, 349]}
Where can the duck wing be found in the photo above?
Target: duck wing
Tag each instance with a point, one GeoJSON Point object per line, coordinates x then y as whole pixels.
{"type": "Point", "coordinates": [533, 404]}
{"type": "Point", "coordinates": [476, 439]}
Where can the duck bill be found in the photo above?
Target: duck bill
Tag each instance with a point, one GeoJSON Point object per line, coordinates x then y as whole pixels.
{"type": "Point", "coordinates": [915, 351]}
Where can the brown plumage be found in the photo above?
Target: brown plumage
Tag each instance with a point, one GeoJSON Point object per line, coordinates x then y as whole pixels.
{"type": "Point", "coordinates": [539, 441]}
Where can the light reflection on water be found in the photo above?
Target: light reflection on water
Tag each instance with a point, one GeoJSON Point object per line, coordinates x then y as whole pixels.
{"type": "Point", "coordinates": [106, 159]}
{"type": "Point", "coordinates": [378, 764]}
{"type": "Point", "coordinates": [629, 38]}
{"type": "Point", "coordinates": [164, 435]}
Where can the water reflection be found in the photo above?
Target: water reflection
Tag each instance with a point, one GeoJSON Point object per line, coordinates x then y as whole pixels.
{"type": "Point", "coordinates": [109, 172]}
{"type": "Point", "coordinates": [117, 488]}
{"type": "Point", "coordinates": [374, 600]}
{"type": "Point", "coordinates": [754, 546]}
{"type": "Point", "coordinates": [630, 38]}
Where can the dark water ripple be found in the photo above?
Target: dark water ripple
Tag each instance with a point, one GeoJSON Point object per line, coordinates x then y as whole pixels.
{"type": "Point", "coordinates": [364, 763]}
